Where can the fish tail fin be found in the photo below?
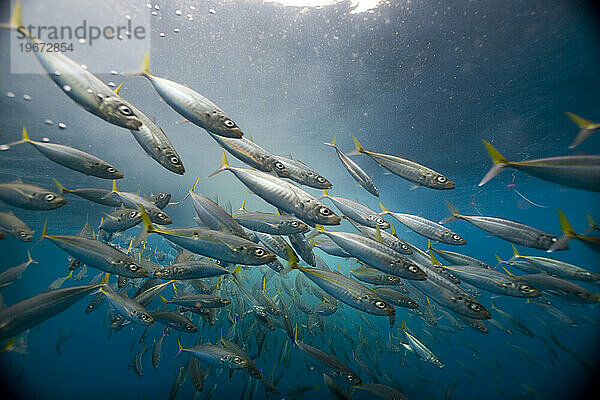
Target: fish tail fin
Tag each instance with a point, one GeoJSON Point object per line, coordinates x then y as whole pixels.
{"type": "Point", "coordinates": [118, 88]}
{"type": "Point", "coordinates": [499, 163]}
{"type": "Point", "coordinates": [325, 194]}
{"type": "Point", "coordinates": [60, 187]}
{"type": "Point", "coordinates": [25, 136]}
{"type": "Point", "coordinates": [454, 214]}
{"type": "Point", "coordinates": [163, 299]}
{"type": "Point", "coordinates": [114, 186]}
{"type": "Point", "coordinates": [180, 347]}
{"type": "Point", "coordinates": [105, 279]}
{"type": "Point", "coordinates": [333, 142]}
{"type": "Point", "coordinates": [358, 149]}
{"type": "Point", "coordinates": [29, 259]}
{"type": "Point", "coordinates": [492, 303]}
{"type": "Point", "coordinates": [591, 223]}
{"type": "Point", "coordinates": [434, 260]}
{"type": "Point", "coordinates": [393, 228]}
{"type": "Point", "coordinates": [403, 327]}
{"type": "Point", "coordinates": [515, 251]}
{"type": "Point", "coordinates": [586, 128]}
{"type": "Point", "coordinates": [296, 334]}
{"type": "Point", "coordinates": [429, 248]}
{"type": "Point", "coordinates": [190, 191]}
{"type": "Point", "coordinates": [568, 233]}
{"type": "Point", "coordinates": [224, 166]}
{"type": "Point", "coordinates": [509, 273]}
{"type": "Point", "coordinates": [501, 261]}
{"type": "Point", "coordinates": [243, 206]}
{"type": "Point", "coordinates": [144, 69]}
{"type": "Point", "coordinates": [383, 209]}
{"type": "Point", "coordinates": [148, 227]}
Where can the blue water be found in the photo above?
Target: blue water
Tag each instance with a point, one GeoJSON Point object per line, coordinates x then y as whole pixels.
{"type": "Point", "coordinates": [424, 80]}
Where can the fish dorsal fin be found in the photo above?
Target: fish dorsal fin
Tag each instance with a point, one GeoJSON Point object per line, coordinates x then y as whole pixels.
{"type": "Point", "coordinates": [515, 252]}
{"type": "Point", "coordinates": [118, 88]}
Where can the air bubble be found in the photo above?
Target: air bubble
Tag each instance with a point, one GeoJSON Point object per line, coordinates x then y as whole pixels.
{"type": "Point", "coordinates": [111, 84]}
{"type": "Point", "coordinates": [26, 97]}
{"type": "Point", "coordinates": [10, 94]}
{"type": "Point", "coordinates": [154, 13]}
{"type": "Point", "coordinates": [156, 7]}
{"type": "Point", "coordinates": [62, 125]}
{"type": "Point", "coordinates": [113, 72]}
{"type": "Point", "coordinates": [45, 139]}
{"type": "Point", "coordinates": [48, 122]}
{"type": "Point", "coordinates": [178, 12]}
{"type": "Point", "coordinates": [176, 30]}
{"type": "Point", "coordinates": [162, 34]}
{"type": "Point", "coordinates": [212, 11]}
{"type": "Point", "coordinates": [82, 40]}
{"type": "Point", "coordinates": [128, 17]}
{"type": "Point", "coordinates": [4, 147]}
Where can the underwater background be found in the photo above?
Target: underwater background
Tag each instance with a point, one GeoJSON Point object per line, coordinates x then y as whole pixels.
{"type": "Point", "coordinates": [419, 79]}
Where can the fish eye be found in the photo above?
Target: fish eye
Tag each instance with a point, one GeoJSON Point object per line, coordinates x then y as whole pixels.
{"type": "Point", "coordinates": [143, 317]}
{"type": "Point", "coordinates": [404, 247]}
{"type": "Point", "coordinates": [441, 179]}
{"type": "Point", "coordinates": [295, 224]}
{"type": "Point", "coordinates": [554, 239]}
{"type": "Point", "coordinates": [320, 179]}
{"type": "Point", "coordinates": [237, 360]}
{"type": "Point", "coordinates": [160, 216]}
{"type": "Point", "coordinates": [390, 278]}
{"type": "Point", "coordinates": [526, 288]}
{"type": "Point", "coordinates": [379, 304]}
{"type": "Point", "coordinates": [350, 377]}
{"type": "Point", "coordinates": [413, 269]}
{"type": "Point", "coordinates": [456, 237]}
{"type": "Point", "coordinates": [133, 267]}
{"type": "Point", "coordinates": [189, 327]}
{"type": "Point", "coordinates": [111, 170]}
{"type": "Point", "coordinates": [259, 252]}
{"type": "Point", "coordinates": [133, 214]}
{"type": "Point", "coordinates": [324, 211]}
{"type": "Point", "coordinates": [380, 221]}
{"type": "Point", "coordinates": [174, 160]}
{"type": "Point", "coordinates": [125, 110]}
{"type": "Point", "coordinates": [279, 165]}
{"type": "Point", "coordinates": [475, 307]}
{"type": "Point", "coordinates": [49, 197]}
{"type": "Point", "coordinates": [229, 123]}
{"type": "Point", "coordinates": [22, 234]}
{"type": "Point", "coordinates": [162, 195]}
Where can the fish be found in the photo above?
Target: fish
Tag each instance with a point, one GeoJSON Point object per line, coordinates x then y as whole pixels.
{"type": "Point", "coordinates": [558, 268]}
{"type": "Point", "coordinates": [274, 224]}
{"type": "Point", "coordinates": [196, 375]}
{"type": "Point", "coordinates": [347, 290]}
{"type": "Point", "coordinates": [283, 195]}
{"type": "Point", "coordinates": [590, 241]}
{"type": "Point", "coordinates": [303, 174]}
{"type": "Point", "coordinates": [331, 365]}
{"type": "Point", "coordinates": [382, 391]}
{"type": "Point", "coordinates": [175, 321]}
{"type": "Point", "coordinates": [134, 200]}
{"type": "Point", "coordinates": [190, 104]}
{"type": "Point", "coordinates": [561, 288]}
{"type": "Point", "coordinates": [191, 270]}
{"type": "Point", "coordinates": [157, 349]}
{"type": "Point", "coordinates": [419, 348]}
{"type": "Point", "coordinates": [576, 171]}
{"type": "Point", "coordinates": [120, 220]}
{"type": "Point", "coordinates": [426, 228]}
{"type": "Point", "coordinates": [98, 255]}
{"type": "Point", "coordinates": [178, 382]}
{"type": "Point", "coordinates": [199, 301]}
{"type": "Point", "coordinates": [396, 298]}
{"type": "Point", "coordinates": [355, 171]}
{"type": "Point", "coordinates": [160, 200]}
{"type": "Point", "coordinates": [215, 244]}
{"type": "Point", "coordinates": [34, 310]}
{"type": "Point", "coordinates": [518, 325]}
{"type": "Point", "coordinates": [457, 258]}
{"type": "Point", "coordinates": [126, 307]}
{"type": "Point", "coordinates": [328, 246]}
{"type": "Point", "coordinates": [96, 195]}
{"type": "Point", "coordinates": [376, 255]}
{"type": "Point", "coordinates": [84, 88]}
{"type": "Point", "coordinates": [136, 363]}
{"type": "Point", "coordinates": [357, 212]}
{"type": "Point", "coordinates": [375, 276]}
{"type": "Point", "coordinates": [303, 248]}
{"type": "Point", "coordinates": [411, 171]}
{"type": "Point", "coordinates": [29, 196]}
{"type": "Point", "coordinates": [511, 231]}
{"type": "Point", "coordinates": [11, 224]}
{"type": "Point", "coordinates": [72, 158]}
{"type": "Point", "coordinates": [11, 275]}
{"type": "Point", "coordinates": [586, 128]}
{"type": "Point", "coordinates": [384, 237]}
{"type": "Point", "coordinates": [252, 154]}
{"type": "Point", "coordinates": [215, 355]}
{"type": "Point", "coordinates": [494, 281]}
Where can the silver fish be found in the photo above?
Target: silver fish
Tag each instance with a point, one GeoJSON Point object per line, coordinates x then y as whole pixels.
{"type": "Point", "coordinates": [355, 171]}
{"type": "Point", "coordinates": [578, 171]}
{"type": "Point", "coordinates": [9, 223]}
{"type": "Point", "coordinates": [99, 196]}
{"type": "Point", "coordinates": [29, 197]}
{"type": "Point", "coordinates": [407, 169]}
{"type": "Point", "coordinates": [303, 174]}
{"type": "Point", "coordinates": [283, 195]}
{"type": "Point", "coordinates": [357, 212]}
{"type": "Point", "coordinates": [190, 104]}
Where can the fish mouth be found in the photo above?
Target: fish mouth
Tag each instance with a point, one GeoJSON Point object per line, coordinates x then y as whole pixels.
{"type": "Point", "coordinates": [117, 175]}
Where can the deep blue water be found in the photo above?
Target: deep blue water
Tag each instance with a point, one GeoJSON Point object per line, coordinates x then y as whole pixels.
{"type": "Point", "coordinates": [424, 80]}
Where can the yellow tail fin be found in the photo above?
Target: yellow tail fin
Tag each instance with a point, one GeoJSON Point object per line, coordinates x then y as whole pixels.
{"type": "Point", "coordinates": [223, 167]}
{"type": "Point", "coordinates": [498, 160]}
{"type": "Point", "coordinates": [515, 252]}
{"type": "Point", "coordinates": [145, 68]}
{"type": "Point", "coordinates": [565, 226]}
